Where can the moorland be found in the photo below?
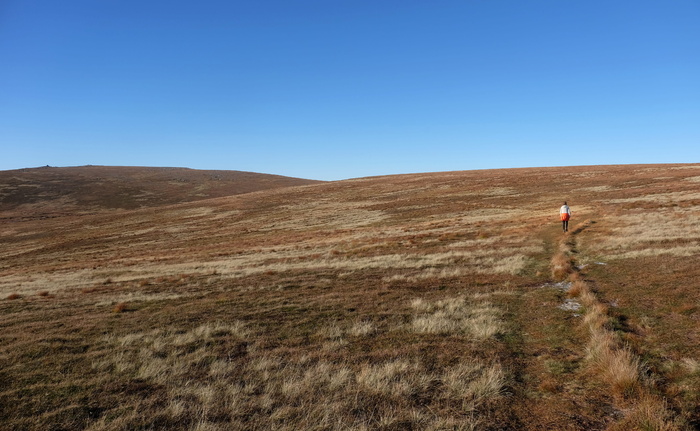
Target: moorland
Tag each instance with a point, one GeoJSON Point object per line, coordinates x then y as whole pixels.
{"type": "Point", "coordinates": [145, 299]}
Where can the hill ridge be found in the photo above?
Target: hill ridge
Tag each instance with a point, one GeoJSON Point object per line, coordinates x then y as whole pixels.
{"type": "Point", "coordinates": [93, 188]}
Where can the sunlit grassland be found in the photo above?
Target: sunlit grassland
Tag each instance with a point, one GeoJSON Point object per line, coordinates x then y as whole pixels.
{"type": "Point", "coordinates": [219, 372]}
{"type": "Point", "coordinates": [644, 256]}
{"type": "Point", "coordinates": [275, 310]}
{"type": "Point", "coordinates": [409, 302]}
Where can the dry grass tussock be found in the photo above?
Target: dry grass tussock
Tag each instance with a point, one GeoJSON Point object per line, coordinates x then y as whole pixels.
{"type": "Point", "coordinates": [596, 318]}
{"type": "Point", "coordinates": [561, 266]}
{"type": "Point", "coordinates": [576, 289]}
{"type": "Point", "coordinates": [618, 366]}
{"type": "Point", "coordinates": [650, 413]}
{"type": "Point", "coordinates": [218, 378]}
{"type": "Point", "coordinates": [562, 261]}
{"type": "Point", "coordinates": [363, 328]}
{"type": "Point", "coordinates": [456, 316]}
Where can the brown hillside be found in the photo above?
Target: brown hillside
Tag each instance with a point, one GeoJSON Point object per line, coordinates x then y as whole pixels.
{"type": "Point", "coordinates": [89, 188]}
{"type": "Point", "coordinates": [446, 301]}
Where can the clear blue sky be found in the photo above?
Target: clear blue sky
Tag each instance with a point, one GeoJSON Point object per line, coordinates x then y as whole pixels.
{"type": "Point", "coordinates": [333, 89]}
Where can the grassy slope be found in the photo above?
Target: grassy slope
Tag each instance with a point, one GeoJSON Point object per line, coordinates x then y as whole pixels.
{"type": "Point", "coordinates": [404, 302]}
{"type": "Point", "coordinates": [90, 188]}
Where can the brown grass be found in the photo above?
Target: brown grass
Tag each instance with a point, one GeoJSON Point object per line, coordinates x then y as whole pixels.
{"type": "Point", "coordinates": [596, 317]}
{"type": "Point", "coordinates": [456, 316]}
{"type": "Point", "coordinates": [409, 302]}
{"type": "Point", "coordinates": [650, 413]}
{"type": "Point", "coordinates": [549, 386]}
{"type": "Point", "coordinates": [617, 365]}
{"type": "Point", "coordinates": [561, 266]}
{"type": "Point", "coordinates": [576, 289]}
{"type": "Point", "coordinates": [120, 307]}
{"type": "Point", "coordinates": [69, 190]}
{"type": "Point", "coordinates": [277, 392]}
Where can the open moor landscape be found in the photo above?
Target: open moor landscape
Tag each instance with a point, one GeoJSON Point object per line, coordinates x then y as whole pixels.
{"type": "Point", "coordinates": [173, 299]}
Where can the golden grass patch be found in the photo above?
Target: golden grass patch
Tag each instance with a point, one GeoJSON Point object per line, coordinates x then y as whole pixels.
{"type": "Point", "coordinates": [691, 365]}
{"type": "Point", "coordinates": [363, 328]}
{"type": "Point", "coordinates": [674, 232]}
{"type": "Point", "coordinates": [670, 197]}
{"type": "Point", "coordinates": [561, 266]}
{"type": "Point", "coordinates": [456, 316]}
{"type": "Point", "coordinates": [258, 389]}
{"type": "Point", "coordinates": [650, 413]}
{"type": "Point", "coordinates": [474, 383]}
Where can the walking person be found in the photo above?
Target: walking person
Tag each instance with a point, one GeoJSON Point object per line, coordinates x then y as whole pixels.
{"type": "Point", "coordinates": [565, 215]}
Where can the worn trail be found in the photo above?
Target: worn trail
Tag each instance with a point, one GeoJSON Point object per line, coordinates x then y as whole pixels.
{"type": "Point", "coordinates": [613, 362]}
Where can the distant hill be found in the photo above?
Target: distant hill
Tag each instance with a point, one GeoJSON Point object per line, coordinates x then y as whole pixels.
{"type": "Point", "coordinates": [89, 188]}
